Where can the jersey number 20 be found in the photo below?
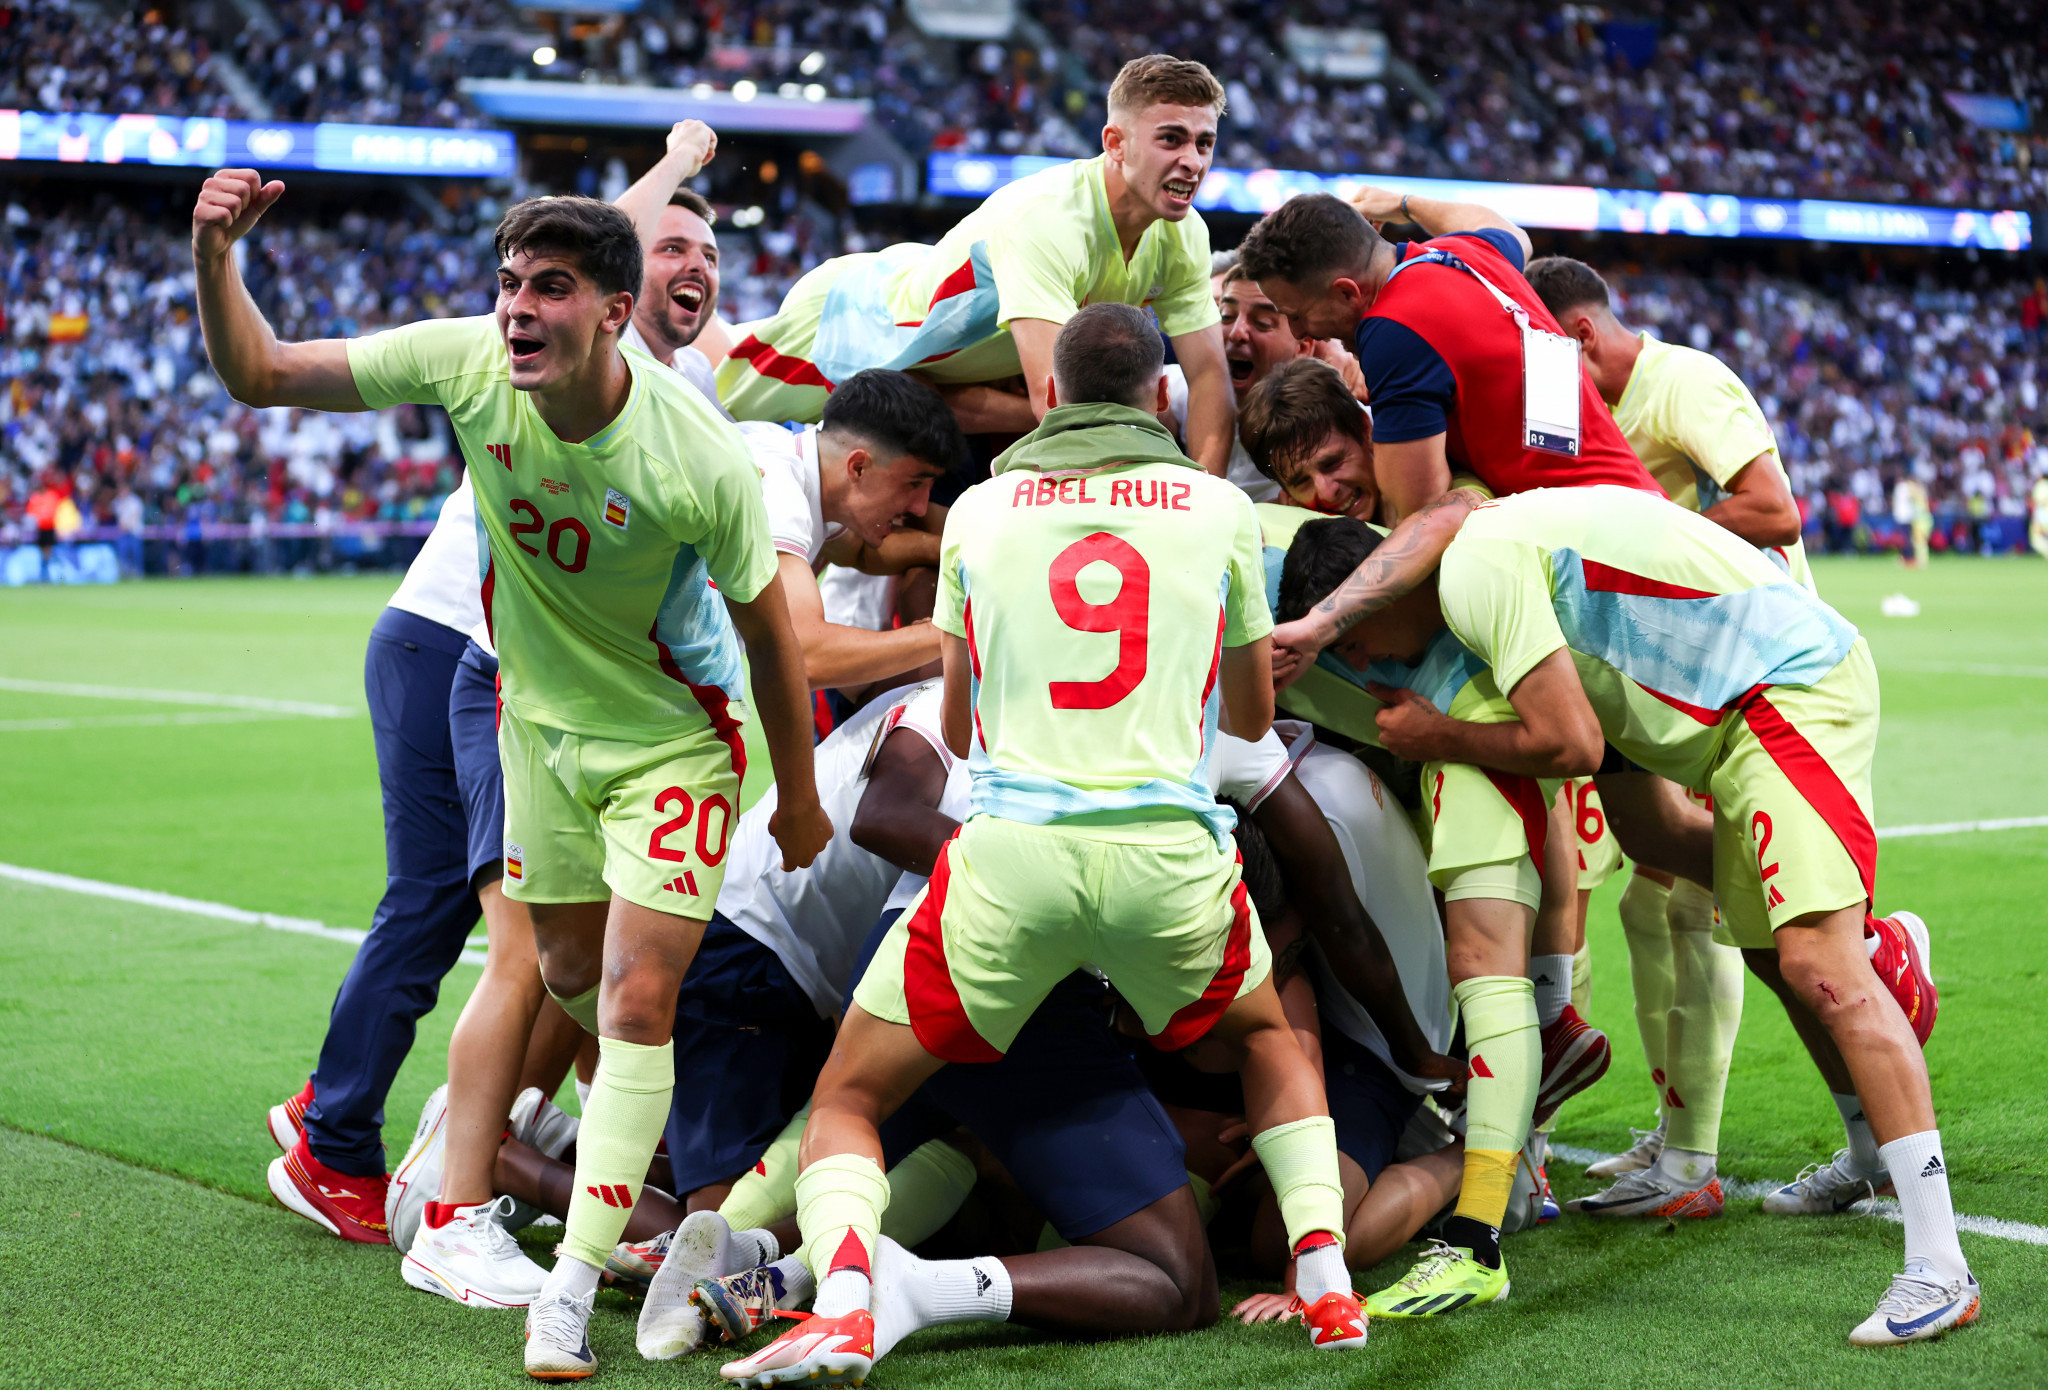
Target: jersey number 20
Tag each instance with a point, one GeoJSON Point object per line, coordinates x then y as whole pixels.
{"type": "Point", "coordinates": [1128, 615]}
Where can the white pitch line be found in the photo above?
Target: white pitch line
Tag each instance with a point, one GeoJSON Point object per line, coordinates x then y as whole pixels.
{"type": "Point", "coordinates": [309, 708]}
{"type": "Point", "coordinates": [136, 721]}
{"type": "Point", "coordinates": [1960, 827]}
{"type": "Point", "coordinates": [170, 902]}
{"type": "Point", "coordinates": [1885, 1207]}
{"type": "Point", "coordinates": [1966, 668]}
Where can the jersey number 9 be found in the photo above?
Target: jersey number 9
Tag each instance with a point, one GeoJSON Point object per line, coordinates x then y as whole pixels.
{"type": "Point", "coordinates": [1128, 615]}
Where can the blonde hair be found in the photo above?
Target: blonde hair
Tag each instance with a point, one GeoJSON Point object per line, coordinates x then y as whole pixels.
{"type": "Point", "coordinates": [1162, 79]}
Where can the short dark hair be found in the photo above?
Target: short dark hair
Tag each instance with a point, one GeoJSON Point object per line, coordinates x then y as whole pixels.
{"type": "Point", "coordinates": [696, 202]}
{"type": "Point", "coordinates": [1563, 284]}
{"type": "Point", "coordinates": [1310, 238]}
{"type": "Point", "coordinates": [1293, 409]}
{"type": "Point", "coordinates": [1108, 352]}
{"type": "Point", "coordinates": [1324, 553]}
{"type": "Point", "coordinates": [896, 414]}
{"type": "Point", "coordinates": [597, 235]}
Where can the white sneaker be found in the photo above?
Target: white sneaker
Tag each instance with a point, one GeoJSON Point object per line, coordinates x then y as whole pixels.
{"type": "Point", "coordinates": [418, 1179]}
{"type": "Point", "coordinates": [1918, 1307]}
{"type": "Point", "coordinates": [536, 1123]}
{"type": "Point", "coordinates": [1822, 1189]}
{"type": "Point", "coordinates": [473, 1260]}
{"type": "Point", "coordinates": [671, 1322]}
{"type": "Point", "coordinates": [1647, 1149]}
{"type": "Point", "coordinates": [558, 1337]}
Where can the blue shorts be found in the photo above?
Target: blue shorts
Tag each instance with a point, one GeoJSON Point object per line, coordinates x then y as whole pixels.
{"type": "Point", "coordinates": [749, 1046]}
{"type": "Point", "coordinates": [1066, 1111]}
{"type": "Point", "coordinates": [1368, 1104]}
{"type": "Point", "coordinates": [473, 729]}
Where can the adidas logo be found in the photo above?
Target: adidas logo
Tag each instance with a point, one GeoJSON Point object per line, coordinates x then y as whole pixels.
{"type": "Point", "coordinates": [1543, 979]}
{"type": "Point", "coordinates": [981, 1283]}
{"type": "Point", "coordinates": [1934, 1168]}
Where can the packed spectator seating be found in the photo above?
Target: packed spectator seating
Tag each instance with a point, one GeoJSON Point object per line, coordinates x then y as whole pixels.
{"type": "Point", "coordinates": [104, 383]}
{"type": "Point", "coordinates": [1841, 100]}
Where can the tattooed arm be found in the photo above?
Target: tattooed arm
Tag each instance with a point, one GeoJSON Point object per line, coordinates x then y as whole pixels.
{"type": "Point", "coordinates": [1404, 559]}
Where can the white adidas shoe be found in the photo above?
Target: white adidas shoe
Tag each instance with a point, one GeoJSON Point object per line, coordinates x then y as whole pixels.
{"type": "Point", "coordinates": [671, 1322]}
{"type": "Point", "coordinates": [418, 1179]}
{"type": "Point", "coordinates": [1648, 1148]}
{"type": "Point", "coordinates": [473, 1260]}
{"type": "Point", "coordinates": [558, 1337]}
{"type": "Point", "coordinates": [1822, 1189]}
{"type": "Point", "coordinates": [1918, 1307]}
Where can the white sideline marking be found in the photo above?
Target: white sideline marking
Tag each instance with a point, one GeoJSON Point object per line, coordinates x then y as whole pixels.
{"type": "Point", "coordinates": [1961, 827]}
{"type": "Point", "coordinates": [1885, 1207]}
{"type": "Point", "coordinates": [1966, 668]}
{"type": "Point", "coordinates": [309, 708]}
{"type": "Point", "coordinates": [136, 721]}
{"type": "Point", "coordinates": [169, 902]}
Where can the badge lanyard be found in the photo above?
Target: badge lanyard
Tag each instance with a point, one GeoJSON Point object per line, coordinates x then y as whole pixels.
{"type": "Point", "coordinates": [1550, 368]}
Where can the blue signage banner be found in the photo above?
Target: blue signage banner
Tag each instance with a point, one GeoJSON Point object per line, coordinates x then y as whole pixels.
{"type": "Point", "coordinates": [1564, 206]}
{"type": "Point", "coordinates": [211, 142]}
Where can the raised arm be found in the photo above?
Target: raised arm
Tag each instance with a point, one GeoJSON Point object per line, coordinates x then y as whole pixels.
{"type": "Point", "coordinates": [691, 146]}
{"type": "Point", "coordinates": [1212, 403]}
{"type": "Point", "coordinates": [1034, 338]}
{"type": "Point", "coordinates": [1436, 216]}
{"type": "Point", "coordinates": [799, 825]}
{"type": "Point", "coordinates": [255, 367]}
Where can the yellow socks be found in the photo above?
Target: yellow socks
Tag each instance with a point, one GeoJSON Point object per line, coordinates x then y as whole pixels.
{"type": "Point", "coordinates": [621, 1125]}
{"type": "Point", "coordinates": [1501, 1038]}
{"type": "Point", "coordinates": [839, 1204]}
{"type": "Point", "coordinates": [1706, 1011]}
{"type": "Point", "coordinates": [1650, 969]}
{"type": "Point", "coordinates": [766, 1192]}
{"type": "Point", "coordinates": [926, 1187]}
{"type": "Point", "coordinates": [1300, 1159]}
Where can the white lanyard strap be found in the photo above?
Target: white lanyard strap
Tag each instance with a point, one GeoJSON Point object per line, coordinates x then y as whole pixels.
{"type": "Point", "coordinates": [1521, 315]}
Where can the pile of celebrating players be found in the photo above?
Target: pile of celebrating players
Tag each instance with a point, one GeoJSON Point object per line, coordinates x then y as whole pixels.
{"type": "Point", "coordinates": [1089, 921]}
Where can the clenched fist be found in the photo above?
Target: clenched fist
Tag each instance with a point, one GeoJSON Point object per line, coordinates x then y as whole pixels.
{"type": "Point", "coordinates": [699, 139]}
{"type": "Point", "coordinates": [230, 203]}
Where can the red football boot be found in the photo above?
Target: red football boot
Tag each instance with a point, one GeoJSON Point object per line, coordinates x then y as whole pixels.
{"type": "Point", "coordinates": [348, 1206]}
{"type": "Point", "coordinates": [1901, 960]}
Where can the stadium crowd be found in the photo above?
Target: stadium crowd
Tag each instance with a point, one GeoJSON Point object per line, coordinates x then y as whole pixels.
{"type": "Point", "coordinates": [109, 397]}
{"type": "Point", "coordinates": [1845, 100]}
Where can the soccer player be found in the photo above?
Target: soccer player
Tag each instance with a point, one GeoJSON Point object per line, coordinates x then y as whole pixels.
{"type": "Point", "coordinates": [842, 485]}
{"type": "Point", "coordinates": [1093, 838]}
{"type": "Point", "coordinates": [612, 501]}
{"type": "Point", "coordinates": [1302, 427]}
{"type": "Point", "coordinates": [1911, 510]}
{"type": "Point", "coordinates": [1494, 859]}
{"type": "Point", "coordinates": [677, 303]}
{"type": "Point", "coordinates": [986, 303]}
{"type": "Point", "coordinates": [1610, 617]}
{"type": "Point", "coordinates": [1705, 440]}
{"type": "Point", "coordinates": [1256, 341]}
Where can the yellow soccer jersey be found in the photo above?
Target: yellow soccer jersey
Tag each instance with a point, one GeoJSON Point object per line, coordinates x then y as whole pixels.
{"type": "Point", "coordinates": [1048, 245]}
{"type": "Point", "coordinates": [597, 560]}
{"type": "Point", "coordinates": [1670, 619]}
{"type": "Point", "coordinates": [1695, 426]}
{"type": "Point", "coordinates": [1096, 602]}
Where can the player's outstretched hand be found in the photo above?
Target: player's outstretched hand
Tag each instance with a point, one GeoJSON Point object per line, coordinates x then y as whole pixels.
{"type": "Point", "coordinates": [1406, 723]}
{"type": "Point", "coordinates": [1268, 1307]}
{"type": "Point", "coordinates": [229, 205]}
{"type": "Point", "coordinates": [802, 832]}
{"type": "Point", "coordinates": [700, 139]}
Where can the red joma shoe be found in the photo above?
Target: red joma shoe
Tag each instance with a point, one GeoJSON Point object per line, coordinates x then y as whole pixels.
{"type": "Point", "coordinates": [348, 1206]}
{"type": "Point", "coordinates": [288, 1118]}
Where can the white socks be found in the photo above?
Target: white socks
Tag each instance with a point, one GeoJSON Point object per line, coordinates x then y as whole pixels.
{"type": "Point", "coordinates": [798, 1283]}
{"type": "Point", "coordinates": [913, 1294]}
{"type": "Point", "coordinates": [571, 1276]}
{"type": "Point", "coordinates": [1862, 1143]}
{"type": "Point", "coordinates": [1552, 978]}
{"type": "Point", "coordinates": [843, 1291]}
{"type": "Point", "coordinates": [1686, 1166]}
{"type": "Point", "coordinates": [582, 1094]}
{"type": "Point", "coordinates": [757, 1246]}
{"type": "Point", "coordinates": [1321, 1270]}
{"type": "Point", "coordinates": [1920, 1176]}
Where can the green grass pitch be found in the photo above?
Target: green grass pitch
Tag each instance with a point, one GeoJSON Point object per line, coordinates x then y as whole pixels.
{"type": "Point", "coordinates": [140, 1047]}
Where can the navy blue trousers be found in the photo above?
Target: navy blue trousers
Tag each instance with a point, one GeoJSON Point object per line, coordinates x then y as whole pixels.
{"type": "Point", "coordinates": [428, 909]}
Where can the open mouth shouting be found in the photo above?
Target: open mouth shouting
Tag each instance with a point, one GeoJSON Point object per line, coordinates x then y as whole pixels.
{"type": "Point", "coordinates": [688, 296]}
{"type": "Point", "coordinates": [524, 347]}
{"type": "Point", "coordinates": [1241, 367]}
{"type": "Point", "coordinates": [1180, 193]}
